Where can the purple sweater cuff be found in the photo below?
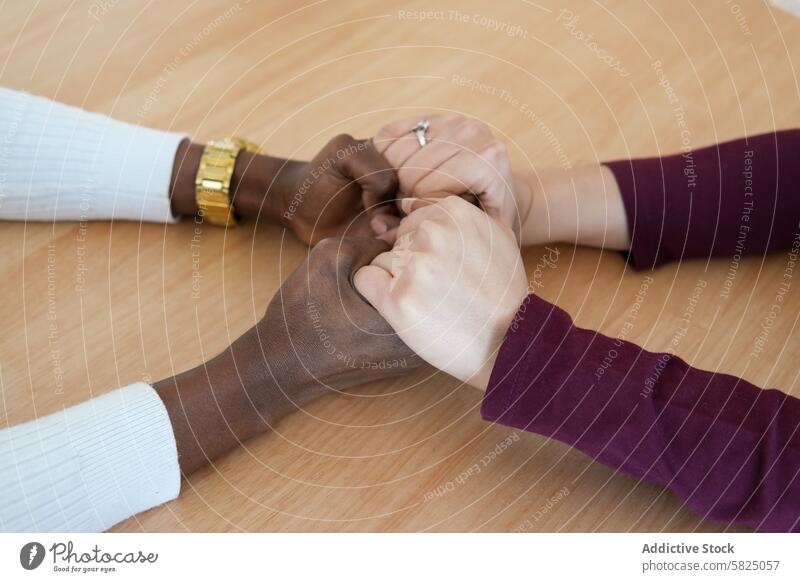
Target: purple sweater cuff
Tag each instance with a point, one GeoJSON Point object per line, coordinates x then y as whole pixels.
{"type": "Point", "coordinates": [734, 198]}
{"type": "Point", "coordinates": [729, 450]}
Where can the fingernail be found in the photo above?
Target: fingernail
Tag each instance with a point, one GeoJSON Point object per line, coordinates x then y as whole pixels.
{"type": "Point", "coordinates": [378, 226]}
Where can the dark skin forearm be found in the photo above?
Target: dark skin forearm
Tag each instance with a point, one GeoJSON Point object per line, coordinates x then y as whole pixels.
{"type": "Point", "coordinates": [216, 406]}
{"type": "Point", "coordinates": [284, 362]}
{"type": "Point", "coordinates": [340, 191]}
{"type": "Point", "coordinates": [260, 184]}
{"type": "Point", "coordinates": [260, 378]}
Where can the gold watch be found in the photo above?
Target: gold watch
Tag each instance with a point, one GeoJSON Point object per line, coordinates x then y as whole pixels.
{"type": "Point", "coordinates": [212, 186]}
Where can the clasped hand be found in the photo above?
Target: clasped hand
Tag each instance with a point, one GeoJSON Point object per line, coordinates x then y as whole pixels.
{"type": "Point", "coordinates": [454, 279]}
{"type": "Point", "coordinates": [446, 291]}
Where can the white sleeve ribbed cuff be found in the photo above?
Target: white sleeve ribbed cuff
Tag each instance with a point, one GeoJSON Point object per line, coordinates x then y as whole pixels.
{"type": "Point", "coordinates": [135, 173]}
{"type": "Point", "coordinates": [90, 466]}
{"type": "Point", "coordinates": [63, 163]}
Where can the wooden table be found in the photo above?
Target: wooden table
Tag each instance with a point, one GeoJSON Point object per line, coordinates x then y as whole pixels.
{"type": "Point", "coordinates": [88, 307]}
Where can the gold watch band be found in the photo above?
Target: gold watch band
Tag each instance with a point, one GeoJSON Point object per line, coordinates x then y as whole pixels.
{"type": "Point", "coordinates": [213, 181]}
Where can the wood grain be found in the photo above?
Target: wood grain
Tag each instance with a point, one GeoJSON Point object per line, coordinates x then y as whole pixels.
{"type": "Point", "coordinates": [89, 307]}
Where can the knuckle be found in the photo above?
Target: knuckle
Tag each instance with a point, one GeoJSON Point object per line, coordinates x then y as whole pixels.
{"type": "Point", "coordinates": [431, 230]}
{"type": "Point", "coordinates": [422, 264]}
{"type": "Point", "coordinates": [325, 248]}
{"type": "Point", "coordinates": [474, 128]}
{"type": "Point", "coordinates": [403, 298]}
{"type": "Point", "coordinates": [407, 183]}
{"type": "Point", "coordinates": [322, 262]}
{"type": "Point", "coordinates": [458, 208]}
{"type": "Point", "coordinates": [453, 202]}
{"type": "Point", "coordinates": [385, 133]}
{"type": "Point", "coordinates": [425, 279]}
{"type": "Point", "coordinates": [452, 120]}
{"type": "Point", "coordinates": [419, 190]}
{"type": "Point", "coordinates": [497, 147]}
{"type": "Point", "coordinates": [496, 150]}
{"type": "Point", "coordinates": [341, 141]}
{"type": "Point", "coordinates": [388, 181]}
{"type": "Point", "coordinates": [407, 173]}
{"type": "Point", "coordinates": [474, 124]}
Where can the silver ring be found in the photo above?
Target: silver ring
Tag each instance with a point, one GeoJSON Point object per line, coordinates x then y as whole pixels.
{"type": "Point", "coordinates": [421, 130]}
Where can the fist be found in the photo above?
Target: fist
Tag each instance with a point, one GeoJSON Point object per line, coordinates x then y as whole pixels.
{"type": "Point", "coordinates": [462, 156]}
{"type": "Point", "coordinates": [450, 287]}
{"type": "Point", "coordinates": [320, 335]}
{"type": "Point", "coordinates": [346, 189]}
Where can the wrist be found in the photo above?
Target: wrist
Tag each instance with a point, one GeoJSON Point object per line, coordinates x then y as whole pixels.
{"type": "Point", "coordinates": [548, 219]}
{"type": "Point", "coordinates": [260, 185]}
{"type": "Point", "coordinates": [184, 171]}
{"type": "Point", "coordinates": [209, 412]}
{"type": "Point", "coordinates": [496, 335]}
{"type": "Point", "coordinates": [581, 206]}
{"type": "Point", "coordinates": [273, 377]}
{"type": "Point", "coordinates": [256, 187]}
{"type": "Point", "coordinates": [265, 187]}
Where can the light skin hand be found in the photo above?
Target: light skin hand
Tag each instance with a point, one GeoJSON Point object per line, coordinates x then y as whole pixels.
{"type": "Point", "coordinates": [450, 287]}
{"type": "Point", "coordinates": [581, 205]}
{"type": "Point", "coordinates": [461, 156]}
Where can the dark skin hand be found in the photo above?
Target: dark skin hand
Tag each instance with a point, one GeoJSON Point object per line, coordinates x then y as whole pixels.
{"type": "Point", "coordinates": [348, 188]}
{"type": "Point", "coordinates": [318, 336]}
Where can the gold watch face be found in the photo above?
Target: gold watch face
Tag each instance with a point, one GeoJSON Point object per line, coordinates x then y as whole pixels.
{"type": "Point", "coordinates": [244, 144]}
{"type": "Point", "coordinates": [226, 143]}
{"type": "Point", "coordinates": [213, 180]}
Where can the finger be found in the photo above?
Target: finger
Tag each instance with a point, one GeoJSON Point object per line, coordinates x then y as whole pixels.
{"type": "Point", "coordinates": [411, 222]}
{"type": "Point", "coordinates": [383, 222]}
{"type": "Point", "coordinates": [373, 284]}
{"type": "Point", "coordinates": [406, 144]}
{"type": "Point", "coordinates": [390, 236]}
{"type": "Point", "coordinates": [391, 132]}
{"type": "Point", "coordinates": [462, 141]}
{"type": "Point", "coordinates": [463, 173]}
{"type": "Point", "coordinates": [401, 149]}
{"type": "Point", "coordinates": [393, 262]}
{"type": "Point", "coordinates": [348, 254]}
{"type": "Point", "coordinates": [359, 161]}
{"type": "Point", "coordinates": [361, 225]}
{"type": "Point", "coordinates": [425, 162]}
{"type": "Point", "coordinates": [410, 204]}
{"type": "Point", "coordinates": [447, 211]}
{"type": "Point", "coordinates": [384, 261]}
{"type": "Point", "coordinates": [401, 127]}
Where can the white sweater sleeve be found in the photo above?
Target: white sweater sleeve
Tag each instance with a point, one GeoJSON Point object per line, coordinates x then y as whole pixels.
{"type": "Point", "coordinates": [89, 466]}
{"type": "Point", "coordinates": [59, 162]}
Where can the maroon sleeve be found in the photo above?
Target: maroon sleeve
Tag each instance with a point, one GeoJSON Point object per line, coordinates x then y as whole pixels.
{"type": "Point", "coordinates": [729, 450]}
{"type": "Point", "coordinates": [736, 198]}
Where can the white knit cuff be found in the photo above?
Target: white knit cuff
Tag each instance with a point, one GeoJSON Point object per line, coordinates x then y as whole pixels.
{"type": "Point", "coordinates": [90, 466]}
{"type": "Point", "coordinates": [135, 171]}
{"type": "Point", "coordinates": [63, 163]}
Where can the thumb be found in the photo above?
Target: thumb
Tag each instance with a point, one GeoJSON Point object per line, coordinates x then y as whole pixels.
{"type": "Point", "coordinates": [373, 284]}
{"type": "Point", "coordinates": [409, 204]}
{"type": "Point", "coordinates": [412, 203]}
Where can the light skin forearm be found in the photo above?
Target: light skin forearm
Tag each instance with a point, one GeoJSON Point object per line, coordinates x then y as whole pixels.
{"type": "Point", "coordinates": [581, 206]}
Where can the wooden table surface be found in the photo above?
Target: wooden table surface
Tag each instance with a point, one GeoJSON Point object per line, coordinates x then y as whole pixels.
{"type": "Point", "coordinates": [88, 307]}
